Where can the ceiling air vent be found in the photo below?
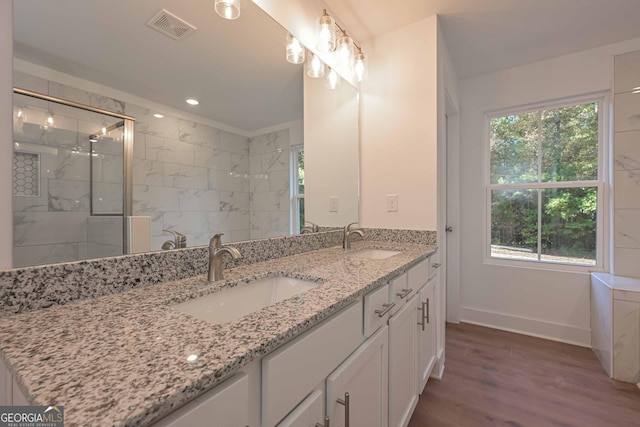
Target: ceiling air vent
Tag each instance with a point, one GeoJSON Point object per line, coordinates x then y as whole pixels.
{"type": "Point", "coordinates": [170, 25]}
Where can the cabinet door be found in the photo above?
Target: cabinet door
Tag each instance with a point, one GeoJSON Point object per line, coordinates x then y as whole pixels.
{"type": "Point", "coordinates": [364, 375]}
{"type": "Point", "coordinates": [426, 334]}
{"type": "Point", "coordinates": [227, 404]}
{"type": "Point", "coordinates": [403, 382]}
{"type": "Point", "coordinates": [308, 413]}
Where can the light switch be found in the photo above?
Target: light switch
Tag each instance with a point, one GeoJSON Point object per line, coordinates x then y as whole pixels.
{"type": "Point", "coordinates": [392, 203]}
{"type": "Point", "coordinates": [333, 204]}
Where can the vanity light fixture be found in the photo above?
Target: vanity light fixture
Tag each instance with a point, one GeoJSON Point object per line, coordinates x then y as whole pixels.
{"type": "Point", "coordinates": [345, 52]}
{"type": "Point", "coordinates": [333, 79]}
{"type": "Point", "coordinates": [315, 66]}
{"type": "Point", "coordinates": [295, 50]}
{"type": "Point", "coordinates": [228, 9]}
{"type": "Point", "coordinates": [192, 101]}
{"type": "Point", "coordinates": [361, 66]}
{"type": "Point", "coordinates": [158, 116]}
{"type": "Point", "coordinates": [326, 33]}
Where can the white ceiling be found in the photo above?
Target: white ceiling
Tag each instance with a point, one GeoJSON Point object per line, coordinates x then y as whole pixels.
{"type": "Point", "coordinates": [235, 68]}
{"type": "Point", "coordinates": [487, 35]}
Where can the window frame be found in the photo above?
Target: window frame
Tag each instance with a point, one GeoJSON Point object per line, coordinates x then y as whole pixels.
{"type": "Point", "coordinates": [295, 195]}
{"type": "Point", "coordinates": [601, 183]}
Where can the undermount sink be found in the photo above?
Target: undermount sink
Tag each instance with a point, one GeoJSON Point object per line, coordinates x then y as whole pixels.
{"type": "Point", "coordinates": [374, 254]}
{"type": "Point", "coordinates": [231, 304]}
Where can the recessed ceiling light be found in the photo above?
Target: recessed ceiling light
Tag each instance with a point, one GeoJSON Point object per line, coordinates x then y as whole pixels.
{"type": "Point", "coordinates": [192, 101]}
{"type": "Point", "coordinates": [158, 116]}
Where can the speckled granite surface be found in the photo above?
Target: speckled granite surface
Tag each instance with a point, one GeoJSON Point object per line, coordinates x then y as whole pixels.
{"type": "Point", "coordinates": [33, 288]}
{"type": "Point", "coordinates": [122, 358]}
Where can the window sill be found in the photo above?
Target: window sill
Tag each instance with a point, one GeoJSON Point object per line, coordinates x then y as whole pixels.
{"type": "Point", "coordinates": [542, 265]}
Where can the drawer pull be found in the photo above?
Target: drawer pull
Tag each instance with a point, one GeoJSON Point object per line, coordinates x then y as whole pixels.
{"type": "Point", "coordinates": [326, 423]}
{"type": "Point", "coordinates": [345, 403]}
{"type": "Point", "coordinates": [421, 309]}
{"type": "Point", "coordinates": [387, 308]}
{"type": "Point", "coordinates": [436, 265]}
{"type": "Point", "coordinates": [404, 293]}
{"type": "Point", "coordinates": [427, 304]}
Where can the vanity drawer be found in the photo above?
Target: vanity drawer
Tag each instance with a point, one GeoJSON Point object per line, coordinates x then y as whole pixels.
{"type": "Point", "coordinates": [419, 274]}
{"type": "Point", "coordinates": [293, 370]}
{"type": "Point", "coordinates": [400, 292]}
{"type": "Point", "coordinates": [373, 302]}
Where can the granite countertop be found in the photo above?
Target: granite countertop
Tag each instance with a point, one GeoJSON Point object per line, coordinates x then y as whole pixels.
{"type": "Point", "coordinates": [122, 358]}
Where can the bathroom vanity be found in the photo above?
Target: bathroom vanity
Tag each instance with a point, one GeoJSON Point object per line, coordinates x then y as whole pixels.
{"type": "Point", "coordinates": [360, 345]}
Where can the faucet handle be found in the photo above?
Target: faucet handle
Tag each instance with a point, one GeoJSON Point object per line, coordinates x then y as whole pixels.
{"type": "Point", "coordinates": [216, 241]}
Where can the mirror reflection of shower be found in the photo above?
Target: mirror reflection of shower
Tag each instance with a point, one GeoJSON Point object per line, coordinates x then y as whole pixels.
{"type": "Point", "coordinates": [68, 181]}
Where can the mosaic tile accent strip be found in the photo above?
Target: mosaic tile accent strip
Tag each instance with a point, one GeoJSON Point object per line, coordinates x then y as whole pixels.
{"type": "Point", "coordinates": [26, 174]}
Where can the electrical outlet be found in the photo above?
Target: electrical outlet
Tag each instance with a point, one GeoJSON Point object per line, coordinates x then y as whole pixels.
{"type": "Point", "coordinates": [392, 203]}
{"type": "Point", "coordinates": [333, 204]}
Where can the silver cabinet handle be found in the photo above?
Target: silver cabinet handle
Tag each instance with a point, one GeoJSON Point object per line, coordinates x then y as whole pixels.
{"type": "Point", "coordinates": [427, 304]}
{"type": "Point", "coordinates": [421, 309]}
{"type": "Point", "coordinates": [404, 293]}
{"type": "Point", "coordinates": [345, 403]}
{"type": "Point", "coordinates": [436, 265]}
{"type": "Point", "coordinates": [387, 308]}
{"type": "Point", "coordinates": [326, 423]}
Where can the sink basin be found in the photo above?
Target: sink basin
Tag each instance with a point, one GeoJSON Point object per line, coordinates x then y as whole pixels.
{"type": "Point", "coordinates": [374, 254]}
{"type": "Point", "coordinates": [231, 304]}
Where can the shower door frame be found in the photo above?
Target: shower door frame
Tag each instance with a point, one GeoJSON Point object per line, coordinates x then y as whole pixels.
{"type": "Point", "coordinates": [127, 151]}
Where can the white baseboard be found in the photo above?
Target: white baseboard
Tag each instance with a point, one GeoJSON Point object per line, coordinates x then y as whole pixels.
{"type": "Point", "coordinates": [522, 325]}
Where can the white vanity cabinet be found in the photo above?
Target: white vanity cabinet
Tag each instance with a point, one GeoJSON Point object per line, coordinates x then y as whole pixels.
{"type": "Point", "coordinates": [10, 393]}
{"type": "Point", "coordinates": [426, 334]}
{"type": "Point", "coordinates": [308, 413]}
{"type": "Point", "coordinates": [358, 388]}
{"type": "Point", "coordinates": [403, 381]}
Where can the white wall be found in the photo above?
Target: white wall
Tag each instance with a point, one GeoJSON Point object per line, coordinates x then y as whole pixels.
{"type": "Point", "coordinates": [399, 128]}
{"type": "Point", "coordinates": [331, 152]}
{"type": "Point", "coordinates": [6, 131]}
{"type": "Point", "coordinates": [547, 303]}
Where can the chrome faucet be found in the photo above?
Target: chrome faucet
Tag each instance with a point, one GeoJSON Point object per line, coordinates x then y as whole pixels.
{"type": "Point", "coordinates": [179, 241]}
{"type": "Point", "coordinates": [313, 228]}
{"type": "Point", "coordinates": [216, 250]}
{"type": "Point", "coordinates": [346, 242]}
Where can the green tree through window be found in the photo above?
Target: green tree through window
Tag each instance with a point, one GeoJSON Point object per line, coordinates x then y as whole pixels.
{"type": "Point", "coordinates": [544, 184]}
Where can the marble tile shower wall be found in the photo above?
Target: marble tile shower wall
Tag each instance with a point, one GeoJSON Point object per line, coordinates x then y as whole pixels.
{"type": "Point", "coordinates": [269, 169]}
{"type": "Point", "coordinates": [626, 150]}
{"type": "Point", "coordinates": [52, 225]}
{"type": "Point", "coordinates": [188, 176]}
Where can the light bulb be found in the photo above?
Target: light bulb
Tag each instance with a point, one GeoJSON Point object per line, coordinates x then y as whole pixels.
{"type": "Point", "coordinates": [228, 9]}
{"type": "Point", "coordinates": [360, 68]}
{"type": "Point", "coordinates": [333, 79]}
{"type": "Point", "coordinates": [345, 52]}
{"type": "Point", "coordinates": [326, 33]}
{"type": "Point", "coordinates": [315, 67]}
{"type": "Point", "coordinates": [295, 51]}
{"type": "Point", "coordinates": [104, 130]}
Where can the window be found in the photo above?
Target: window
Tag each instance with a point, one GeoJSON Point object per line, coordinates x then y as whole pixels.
{"type": "Point", "coordinates": [297, 192]}
{"type": "Point", "coordinates": [545, 185]}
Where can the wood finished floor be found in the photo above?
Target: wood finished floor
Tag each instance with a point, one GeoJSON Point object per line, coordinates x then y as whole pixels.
{"type": "Point", "coordinates": [497, 378]}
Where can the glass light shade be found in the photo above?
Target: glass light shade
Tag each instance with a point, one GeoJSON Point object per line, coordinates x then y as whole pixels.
{"type": "Point", "coordinates": [361, 67]}
{"type": "Point", "coordinates": [228, 9]}
{"type": "Point", "coordinates": [345, 51]}
{"type": "Point", "coordinates": [295, 51]}
{"type": "Point", "coordinates": [333, 79]}
{"type": "Point", "coordinates": [315, 66]}
{"type": "Point", "coordinates": [326, 34]}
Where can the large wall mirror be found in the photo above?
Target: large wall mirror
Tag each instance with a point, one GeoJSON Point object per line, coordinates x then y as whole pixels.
{"type": "Point", "coordinates": [266, 148]}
